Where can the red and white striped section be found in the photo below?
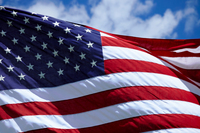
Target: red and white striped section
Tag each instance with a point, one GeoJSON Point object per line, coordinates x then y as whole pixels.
{"type": "Point", "coordinates": [175, 130]}
{"type": "Point", "coordinates": [184, 55]}
{"type": "Point", "coordinates": [103, 115]}
{"type": "Point", "coordinates": [139, 93]}
{"type": "Point", "coordinates": [187, 60]}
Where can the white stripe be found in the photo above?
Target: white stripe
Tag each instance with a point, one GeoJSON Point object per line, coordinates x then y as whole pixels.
{"type": "Point", "coordinates": [169, 66]}
{"type": "Point", "coordinates": [100, 116]}
{"type": "Point", "coordinates": [184, 62]}
{"type": "Point", "coordinates": [94, 85]}
{"type": "Point", "coordinates": [197, 83]}
{"type": "Point", "coordinates": [176, 130]}
{"type": "Point", "coordinates": [106, 35]}
{"type": "Point", "coordinates": [191, 50]}
{"type": "Point", "coordinates": [112, 52]}
{"type": "Point", "coordinates": [128, 53]}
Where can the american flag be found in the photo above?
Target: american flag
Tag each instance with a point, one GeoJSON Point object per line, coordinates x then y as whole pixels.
{"type": "Point", "coordinates": [58, 76]}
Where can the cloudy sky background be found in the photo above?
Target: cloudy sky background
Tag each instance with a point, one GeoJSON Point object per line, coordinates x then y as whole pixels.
{"type": "Point", "coordinates": [171, 19]}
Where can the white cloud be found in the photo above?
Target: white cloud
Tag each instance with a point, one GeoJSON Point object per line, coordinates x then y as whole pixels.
{"type": "Point", "coordinates": [190, 23]}
{"type": "Point", "coordinates": [191, 3]}
{"type": "Point", "coordinates": [190, 15]}
{"type": "Point", "coordinates": [75, 13]}
{"type": "Point", "coordinates": [174, 35]}
{"type": "Point", "coordinates": [125, 20]}
{"type": "Point", "coordinates": [158, 26]}
{"type": "Point", "coordinates": [47, 8]}
{"type": "Point", "coordinates": [140, 8]}
{"type": "Point", "coordinates": [198, 23]}
{"type": "Point", "coordinates": [93, 2]}
{"type": "Point", "coordinates": [120, 16]}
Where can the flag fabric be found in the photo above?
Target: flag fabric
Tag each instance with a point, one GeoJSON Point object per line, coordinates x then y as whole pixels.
{"type": "Point", "coordinates": [58, 76]}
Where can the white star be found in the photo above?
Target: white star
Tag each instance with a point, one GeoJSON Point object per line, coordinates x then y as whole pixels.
{"type": "Point", "coordinates": [41, 75]}
{"type": "Point", "coordinates": [60, 72]}
{"type": "Point", "coordinates": [18, 58]}
{"type": "Point", "coordinates": [60, 41]}
{"type": "Point", "coordinates": [10, 68]}
{"type": "Point", "coordinates": [7, 50]}
{"type": "Point", "coordinates": [26, 20]}
{"type": "Point", "coordinates": [77, 67]}
{"type": "Point", "coordinates": [66, 60]}
{"type": "Point", "coordinates": [55, 53]}
{"type": "Point", "coordinates": [71, 48]}
{"type": "Point", "coordinates": [14, 13]}
{"type": "Point", "coordinates": [38, 56]}
{"type": "Point", "coordinates": [88, 30]}
{"type": "Point", "coordinates": [2, 7]}
{"type": "Point", "coordinates": [3, 33]}
{"type": "Point", "coordinates": [44, 45]}
{"type": "Point", "coordinates": [27, 49]}
{"type": "Point", "coordinates": [21, 76]}
{"type": "Point", "coordinates": [90, 44]}
{"type": "Point", "coordinates": [82, 56]}
{"type": "Point", "coordinates": [45, 18]}
{"type": "Point", "coordinates": [2, 78]}
{"type": "Point", "coordinates": [93, 63]}
{"type": "Point", "coordinates": [33, 38]}
{"type": "Point", "coordinates": [1, 61]}
{"type": "Point", "coordinates": [79, 37]}
{"type": "Point", "coordinates": [9, 23]}
{"type": "Point", "coordinates": [38, 27]}
{"type": "Point", "coordinates": [49, 64]}
{"type": "Point", "coordinates": [15, 41]}
{"type": "Point", "coordinates": [67, 30]}
{"type": "Point", "coordinates": [30, 66]}
{"type": "Point", "coordinates": [56, 24]}
{"type": "Point", "coordinates": [22, 31]}
{"type": "Point", "coordinates": [50, 34]}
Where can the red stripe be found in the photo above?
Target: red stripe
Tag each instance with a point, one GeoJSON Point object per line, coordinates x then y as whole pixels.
{"type": "Point", "coordinates": [108, 41]}
{"type": "Point", "coordinates": [116, 65]}
{"type": "Point", "coordinates": [192, 73]}
{"type": "Point", "coordinates": [95, 101]}
{"type": "Point", "coordinates": [136, 125]}
{"type": "Point", "coordinates": [159, 44]}
{"type": "Point", "coordinates": [173, 54]}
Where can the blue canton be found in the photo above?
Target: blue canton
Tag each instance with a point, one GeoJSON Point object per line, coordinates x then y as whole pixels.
{"type": "Point", "coordinates": [41, 51]}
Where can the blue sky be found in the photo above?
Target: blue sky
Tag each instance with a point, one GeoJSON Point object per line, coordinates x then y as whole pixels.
{"type": "Point", "coordinates": [171, 19]}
